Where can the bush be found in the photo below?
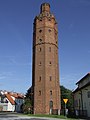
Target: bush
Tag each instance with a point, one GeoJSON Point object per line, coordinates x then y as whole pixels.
{"type": "Point", "coordinates": [26, 107]}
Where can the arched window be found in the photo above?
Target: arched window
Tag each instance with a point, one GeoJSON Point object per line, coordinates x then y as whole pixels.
{"type": "Point", "coordinates": [39, 92]}
{"type": "Point", "coordinates": [40, 40]}
{"type": "Point", "coordinates": [40, 19]}
{"type": "Point", "coordinates": [49, 30]}
{"type": "Point", "coordinates": [49, 62]}
{"type": "Point", "coordinates": [40, 30]}
{"type": "Point", "coordinates": [51, 104]}
{"type": "Point", "coordinates": [50, 92]}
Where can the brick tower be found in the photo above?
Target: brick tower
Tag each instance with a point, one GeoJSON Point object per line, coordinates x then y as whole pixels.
{"type": "Point", "coordinates": [45, 72]}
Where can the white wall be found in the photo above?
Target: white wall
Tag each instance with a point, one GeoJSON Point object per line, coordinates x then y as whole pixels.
{"type": "Point", "coordinates": [10, 106]}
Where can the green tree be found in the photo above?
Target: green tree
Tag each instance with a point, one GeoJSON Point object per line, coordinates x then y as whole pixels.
{"type": "Point", "coordinates": [27, 106]}
{"type": "Point", "coordinates": [66, 94]}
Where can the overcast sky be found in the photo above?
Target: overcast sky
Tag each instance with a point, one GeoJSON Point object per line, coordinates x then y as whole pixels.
{"type": "Point", "coordinates": [16, 28]}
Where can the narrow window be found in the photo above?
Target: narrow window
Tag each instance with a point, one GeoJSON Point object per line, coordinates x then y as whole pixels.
{"type": "Point", "coordinates": [50, 78]}
{"type": "Point", "coordinates": [40, 63]}
{"type": "Point", "coordinates": [40, 31]}
{"type": "Point", "coordinates": [39, 92]}
{"type": "Point", "coordinates": [49, 49]}
{"type": "Point", "coordinates": [49, 19]}
{"type": "Point", "coordinates": [49, 30]}
{"type": "Point", "coordinates": [50, 63]}
{"type": "Point", "coordinates": [40, 49]}
{"type": "Point", "coordinates": [56, 51]}
{"type": "Point", "coordinates": [51, 104]}
{"type": "Point", "coordinates": [40, 40]}
{"type": "Point", "coordinates": [39, 78]}
{"type": "Point", "coordinates": [40, 19]}
{"type": "Point", "coordinates": [50, 92]}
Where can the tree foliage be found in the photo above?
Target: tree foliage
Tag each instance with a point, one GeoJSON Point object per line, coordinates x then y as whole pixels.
{"type": "Point", "coordinates": [66, 94]}
{"type": "Point", "coordinates": [27, 106]}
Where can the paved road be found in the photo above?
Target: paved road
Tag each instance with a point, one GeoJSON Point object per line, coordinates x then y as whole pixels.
{"type": "Point", "coordinates": [15, 116]}
{"type": "Point", "coordinates": [9, 116]}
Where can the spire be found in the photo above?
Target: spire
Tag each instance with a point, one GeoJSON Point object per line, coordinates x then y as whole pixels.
{"type": "Point", "coordinates": [45, 7]}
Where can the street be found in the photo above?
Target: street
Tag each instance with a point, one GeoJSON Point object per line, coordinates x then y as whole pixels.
{"type": "Point", "coordinates": [15, 116]}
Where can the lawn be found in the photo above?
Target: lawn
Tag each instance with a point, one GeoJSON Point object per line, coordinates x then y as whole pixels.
{"type": "Point", "coordinates": [53, 116]}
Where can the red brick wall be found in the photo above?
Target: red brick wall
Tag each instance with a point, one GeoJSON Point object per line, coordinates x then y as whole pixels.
{"type": "Point", "coordinates": [45, 59]}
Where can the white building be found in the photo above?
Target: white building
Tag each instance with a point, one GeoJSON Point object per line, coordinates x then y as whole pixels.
{"type": "Point", "coordinates": [11, 101]}
{"type": "Point", "coordinates": [82, 96]}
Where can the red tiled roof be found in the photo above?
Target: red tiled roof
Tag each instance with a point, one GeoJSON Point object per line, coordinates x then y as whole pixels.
{"type": "Point", "coordinates": [9, 96]}
{"type": "Point", "coordinates": [16, 95]}
{"type": "Point", "coordinates": [10, 99]}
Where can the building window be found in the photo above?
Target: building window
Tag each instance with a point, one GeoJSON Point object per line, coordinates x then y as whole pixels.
{"type": "Point", "coordinates": [39, 92]}
{"type": "Point", "coordinates": [39, 78]}
{"type": "Point", "coordinates": [6, 102]}
{"type": "Point", "coordinates": [56, 51]}
{"type": "Point", "coordinates": [51, 104]}
{"type": "Point", "coordinates": [40, 19]}
{"type": "Point", "coordinates": [40, 49]}
{"type": "Point", "coordinates": [88, 94]}
{"type": "Point", "coordinates": [49, 19]}
{"type": "Point", "coordinates": [40, 31]}
{"type": "Point", "coordinates": [50, 78]}
{"type": "Point", "coordinates": [50, 92]}
{"type": "Point", "coordinates": [40, 63]}
{"type": "Point", "coordinates": [49, 62]}
{"type": "Point", "coordinates": [40, 40]}
{"type": "Point", "coordinates": [49, 30]}
{"type": "Point", "coordinates": [49, 49]}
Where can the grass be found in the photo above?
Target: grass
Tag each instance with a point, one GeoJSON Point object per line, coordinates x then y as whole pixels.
{"type": "Point", "coordinates": [52, 116]}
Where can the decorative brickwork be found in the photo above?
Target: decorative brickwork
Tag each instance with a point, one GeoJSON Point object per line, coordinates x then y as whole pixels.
{"type": "Point", "coordinates": [45, 81]}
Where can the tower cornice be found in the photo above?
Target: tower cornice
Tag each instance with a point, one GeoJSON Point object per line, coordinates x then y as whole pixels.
{"type": "Point", "coordinates": [45, 43]}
